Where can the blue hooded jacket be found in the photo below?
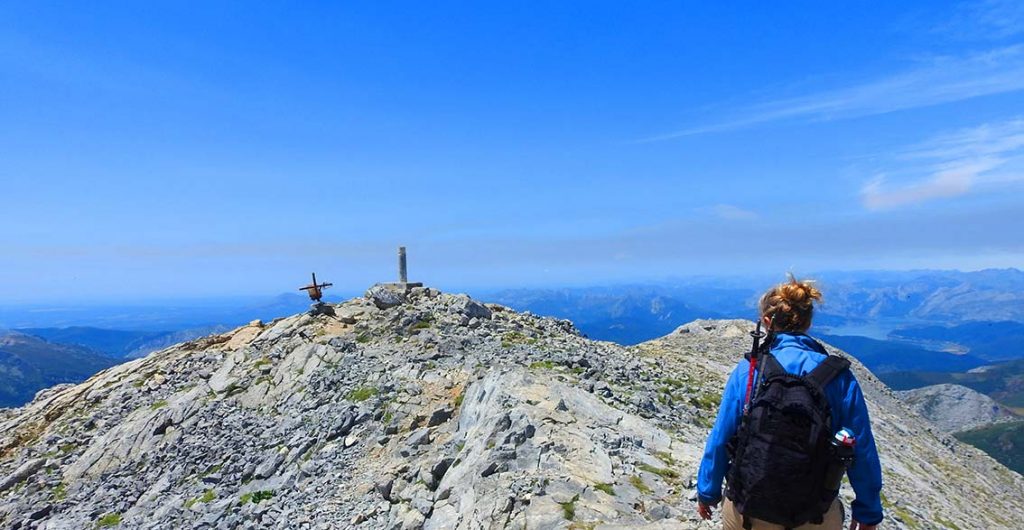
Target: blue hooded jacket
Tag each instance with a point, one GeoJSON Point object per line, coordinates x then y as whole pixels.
{"type": "Point", "coordinates": [799, 354]}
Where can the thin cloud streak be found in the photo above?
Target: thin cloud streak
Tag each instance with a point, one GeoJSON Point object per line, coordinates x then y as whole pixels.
{"type": "Point", "coordinates": [944, 185]}
{"type": "Point", "coordinates": [941, 80]}
{"type": "Point", "coordinates": [987, 157]}
{"type": "Point", "coordinates": [986, 20]}
{"type": "Point", "coordinates": [730, 212]}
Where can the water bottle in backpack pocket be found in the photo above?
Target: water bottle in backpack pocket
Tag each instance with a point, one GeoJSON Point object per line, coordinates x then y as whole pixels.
{"type": "Point", "coordinates": [842, 449]}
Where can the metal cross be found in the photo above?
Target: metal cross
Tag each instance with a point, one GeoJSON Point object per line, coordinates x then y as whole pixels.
{"type": "Point", "coordinates": [315, 290]}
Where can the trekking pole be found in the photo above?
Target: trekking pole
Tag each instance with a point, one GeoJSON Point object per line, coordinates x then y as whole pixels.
{"type": "Point", "coordinates": [755, 348]}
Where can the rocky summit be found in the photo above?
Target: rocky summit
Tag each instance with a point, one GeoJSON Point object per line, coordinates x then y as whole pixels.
{"type": "Point", "coordinates": [412, 408]}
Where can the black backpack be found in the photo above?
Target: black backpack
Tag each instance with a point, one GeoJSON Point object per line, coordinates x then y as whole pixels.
{"type": "Point", "coordinates": [782, 449]}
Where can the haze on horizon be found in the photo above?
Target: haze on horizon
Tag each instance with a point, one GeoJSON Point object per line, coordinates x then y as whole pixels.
{"type": "Point", "coordinates": [183, 151]}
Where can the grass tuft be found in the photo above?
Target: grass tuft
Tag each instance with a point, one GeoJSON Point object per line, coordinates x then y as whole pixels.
{"type": "Point", "coordinates": [362, 394]}
{"type": "Point", "coordinates": [666, 457]}
{"type": "Point", "coordinates": [661, 472]}
{"type": "Point", "coordinates": [109, 520]}
{"type": "Point", "coordinates": [569, 508]}
{"type": "Point", "coordinates": [638, 483]}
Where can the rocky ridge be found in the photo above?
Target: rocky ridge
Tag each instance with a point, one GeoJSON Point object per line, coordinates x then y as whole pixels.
{"type": "Point", "coordinates": [422, 409]}
{"type": "Point", "coordinates": [955, 408]}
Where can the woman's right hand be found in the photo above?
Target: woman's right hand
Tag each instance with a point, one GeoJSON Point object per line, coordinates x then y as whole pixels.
{"type": "Point", "coordinates": [705, 510]}
{"type": "Point", "coordinates": [854, 525]}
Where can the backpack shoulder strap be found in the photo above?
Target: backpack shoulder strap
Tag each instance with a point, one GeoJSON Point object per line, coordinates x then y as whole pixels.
{"type": "Point", "coordinates": [832, 366]}
{"type": "Point", "coordinates": [770, 366]}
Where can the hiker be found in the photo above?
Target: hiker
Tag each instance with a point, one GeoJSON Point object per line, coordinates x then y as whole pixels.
{"type": "Point", "coordinates": [776, 458]}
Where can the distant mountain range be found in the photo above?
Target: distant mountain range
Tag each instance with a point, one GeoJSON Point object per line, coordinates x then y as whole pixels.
{"type": "Point", "coordinates": [626, 314]}
{"type": "Point", "coordinates": [941, 296]}
{"type": "Point", "coordinates": [918, 308]}
{"type": "Point", "coordinates": [46, 351]}
{"type": "Point", "coordinates": [159, 316]}
{"type": "Point", "coordinates": [120, 344]}
{"type": "Point", "coordinates": [29, 364]}
{"type": "Point", "coordinates": [909, 323]}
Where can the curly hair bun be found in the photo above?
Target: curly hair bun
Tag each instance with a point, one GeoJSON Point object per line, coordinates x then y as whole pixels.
{"type": "Point", "coordinates": [800, 294]}
{"type": "Point", "coordinates": [790, 305]}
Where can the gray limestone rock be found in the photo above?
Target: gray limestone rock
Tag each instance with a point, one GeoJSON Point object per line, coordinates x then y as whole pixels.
{"type": "Point", "coordinates": [480, 417]}
{"type": "Point", "coordinates": [23, 472]}
{"type": "Point", "coordinates": [468, 307]}
{"type": "Point", "coordinates": [385, 296]}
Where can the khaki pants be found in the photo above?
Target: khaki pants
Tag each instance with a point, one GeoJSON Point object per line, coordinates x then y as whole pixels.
{"type": "Point", "coordinates": [732, 519]}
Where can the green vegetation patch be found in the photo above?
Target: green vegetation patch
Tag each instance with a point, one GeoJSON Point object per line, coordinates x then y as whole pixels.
{"type": "Point", "coordinates": [362, 394]}
{"type": "Point", "coordinates": [423, 323]}
{"type": "Point", "coordinates": [109, 520]}
{"type": "Point", "coordinates": [666, 457]}
{"type": "Point", "coordinates": [158, 405]}
{"type": "Point", "coordinates": [569, 508]}
{"type": "Point", "coordinates": [605, 487]}
{"type": "Point", "coordinates": [1001, 441]}
{"type": "Point", "coordinates": [233, 388]}
{"type": "Point", "coordinates": [903, 515]}
{"type": "Point", "coordinates": [639, 484]}
{"type": "Point", "coordinates": [672, 382]}
{"type": "Point", "coordinates": [706, 401]}
{"type": "Point", "coordinates": [59, 492]}
{"type": "Point", "coordinates": [256, 497]}
{"type": "Point", "coordinates": [515, 337]}
{"type": "Point", "coordinates": [661, 472]}
{"type": "Point", "coordinates": [546, 365]}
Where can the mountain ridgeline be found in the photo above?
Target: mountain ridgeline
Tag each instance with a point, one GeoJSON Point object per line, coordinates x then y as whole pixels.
{"type": "Point", "coordinates": [419, 409]}
{"type": "Point", "coordinates": [29, 363]}
{"type": "Point", "coordinates": [882, 300]}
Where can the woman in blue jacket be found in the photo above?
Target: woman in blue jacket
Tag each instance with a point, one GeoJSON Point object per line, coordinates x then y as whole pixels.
{"type": "Point", "coordinates": [788, 309]}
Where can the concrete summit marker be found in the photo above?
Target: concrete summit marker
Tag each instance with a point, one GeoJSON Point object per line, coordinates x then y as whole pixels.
{"type": "Point", "coordinates": [403, 273]}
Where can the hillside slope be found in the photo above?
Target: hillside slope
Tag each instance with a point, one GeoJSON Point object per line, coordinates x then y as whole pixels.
{"type": "Point", "coordinates": [955, 408]}
{"type": "Point", "coordinates": [1001, 440]}
{"type": "Point", "coordinates": [427, 410]}
{"type": "Point", "coordinates": [29, 364]}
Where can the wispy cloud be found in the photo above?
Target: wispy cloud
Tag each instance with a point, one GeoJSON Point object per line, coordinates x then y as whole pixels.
{"type": "Point", "coordinates": [935, 81]}
{"type": "Point", "coordinates": [731, 212]}
{"type": "Point", "coordinates": [987, 157]}
{"type": "Point", "coordinates": [876, 196]}
{"type": "Point", "coordinates": [986, 20]}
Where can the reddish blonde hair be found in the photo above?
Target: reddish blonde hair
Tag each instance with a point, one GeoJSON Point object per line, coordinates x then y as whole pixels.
{"type": "Point", "coordinates": [790, 305]}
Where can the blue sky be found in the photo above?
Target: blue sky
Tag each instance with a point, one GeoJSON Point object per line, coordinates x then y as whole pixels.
{"type": "Point", "coordinates": [190, 149]}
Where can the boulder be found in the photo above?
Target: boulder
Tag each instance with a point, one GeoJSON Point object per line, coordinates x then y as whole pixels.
{"type": "Point", "coordinates": [385, 296]}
